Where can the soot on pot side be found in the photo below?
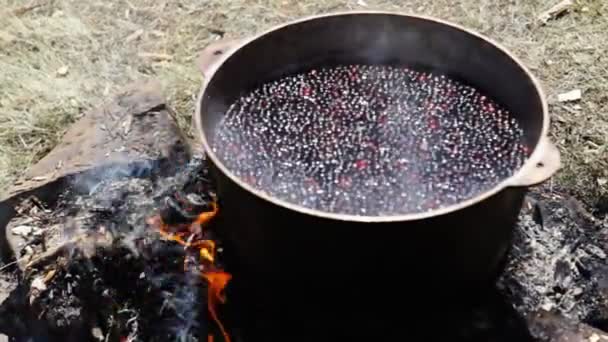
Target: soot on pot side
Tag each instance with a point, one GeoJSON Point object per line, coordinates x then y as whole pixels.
{"type": "Point", "coordinates": [369, 140]}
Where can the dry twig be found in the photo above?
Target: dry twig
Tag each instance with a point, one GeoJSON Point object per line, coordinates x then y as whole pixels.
{"type": "Point", "coordinates": [85, 242]}
{"type": "Point", "coordinates": [156, 57]}
{"type": "Point", "coordinates": [25, 9]}
{"type": "Point", "coordinates": [555, 11]}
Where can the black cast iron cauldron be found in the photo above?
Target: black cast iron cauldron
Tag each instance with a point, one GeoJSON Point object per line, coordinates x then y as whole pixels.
{"type": "Point", "coordinates": [281, 252]}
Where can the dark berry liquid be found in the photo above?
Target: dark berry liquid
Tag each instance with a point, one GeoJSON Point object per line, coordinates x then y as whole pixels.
{"type": "Point", "coordinates": [369, 140]}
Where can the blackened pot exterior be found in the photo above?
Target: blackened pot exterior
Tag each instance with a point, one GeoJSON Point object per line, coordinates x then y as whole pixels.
{"type": "Point", "coordinates": [280, 253]}
{"type": "Point", "coordinates": [279, 256]}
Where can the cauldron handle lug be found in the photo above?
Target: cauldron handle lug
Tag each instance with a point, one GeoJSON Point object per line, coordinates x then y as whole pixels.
{"type": "Point", "coordinates": [543, 163]}
{"type": "Point", "coordinates": [209, 57]}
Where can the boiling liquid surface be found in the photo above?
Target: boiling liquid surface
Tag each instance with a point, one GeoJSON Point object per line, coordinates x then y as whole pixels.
{"type": "Point", "coordinates": [369, 140]}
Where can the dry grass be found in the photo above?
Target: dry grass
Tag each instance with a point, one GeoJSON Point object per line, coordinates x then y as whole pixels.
{"type": "Point", "coordinates": [103, 45]}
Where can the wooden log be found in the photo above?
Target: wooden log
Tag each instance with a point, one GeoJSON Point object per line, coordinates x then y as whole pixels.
{"type": "Point", "coordinates": [134, 128]}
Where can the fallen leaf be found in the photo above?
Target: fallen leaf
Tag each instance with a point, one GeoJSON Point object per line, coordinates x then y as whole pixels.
{"type": "Point", "coordinates": [7, 37]}
{"type": "Point", "coordinates": [157, 33]}
{"type": "Point", "coordinates": [602, 181]}
{"type": "Point", "coordinates": [63, 71]}
{"type": "Point", "coordinates": [135, 35]}
{"type": "Point", "coordinates": [572, 95]}
{"type": "Point", "coordinates": [555, 11]}
{"type": "Point", "coordinates": [547, 306]}
{"type": "Point", "coordinates": [127, 124]}
{"type": "Point", "coordinates": [97, 333]}
{"type": "Point", "coordinates": [49, 275]}
{"type": "Point", "coordinates": [38, 284]}
{"type": "Point", "coordinates": [22, 230]}
{"type": "Point", "coordinates": [583, 58]}
{"type": "Point", "coordinates": [158, 57]}
{"type": "Point", "coordinates": [23, 10]}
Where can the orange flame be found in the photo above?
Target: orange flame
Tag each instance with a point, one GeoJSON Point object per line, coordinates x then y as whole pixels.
{"type": "Point", "coordinates": [216, 279]}
{"type": "Point", "coordinates": [217, 283]}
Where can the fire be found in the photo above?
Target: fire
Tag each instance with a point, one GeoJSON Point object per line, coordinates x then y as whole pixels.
{"type": "Point", "coordinates": [217, 282]}
{"type": "Point", "coordinates": [190, 236]}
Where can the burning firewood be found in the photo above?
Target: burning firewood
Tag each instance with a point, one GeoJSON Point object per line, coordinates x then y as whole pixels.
{"type": "Point", "coordinates": [190, 234]}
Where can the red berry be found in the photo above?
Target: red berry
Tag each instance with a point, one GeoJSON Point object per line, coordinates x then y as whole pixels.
{"type": "Point", "coordinates": [361, 164]}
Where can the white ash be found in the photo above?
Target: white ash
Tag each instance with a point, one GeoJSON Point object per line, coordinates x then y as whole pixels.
{"type": "Point", "coordinates": [558, 262]}
{"type": "Point", "coordinates": [117, 203]}
{"type": "Point", "coordinates": [23, 231]}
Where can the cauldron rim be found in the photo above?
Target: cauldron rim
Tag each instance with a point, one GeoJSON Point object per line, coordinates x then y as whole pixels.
{"type": "Point", "coordinates": [533, 161]}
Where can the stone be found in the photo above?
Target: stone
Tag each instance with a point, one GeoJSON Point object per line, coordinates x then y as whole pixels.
{"type": "Point", "coordinates": [127, 134]}
{"type": "Point", "coordinates": [22, 230]}
{"type": "Point", "coordinates": [551, 327]}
